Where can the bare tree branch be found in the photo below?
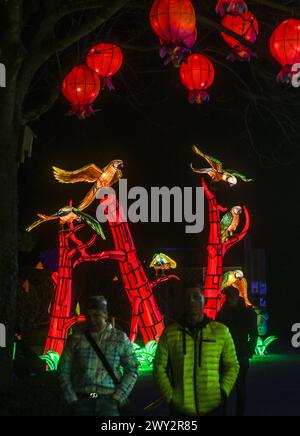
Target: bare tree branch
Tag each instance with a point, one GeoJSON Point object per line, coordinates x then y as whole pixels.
{"type": "Point", "coordinates": [47, 25]}
{"type": "Point", "coordinates": [34, 113]}
{"type": "Point", "coordinates": [39, 56]}
{"type": "Point", "coordinates": [278, 7]}
{"type": "Point", "coordinates": [214, 25]}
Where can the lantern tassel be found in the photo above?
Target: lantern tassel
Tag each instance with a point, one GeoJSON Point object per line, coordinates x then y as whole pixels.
{"type": "Point", "coordinates": [286, 74]}
{"type": "Point", "coordinates": [241, 53]}
{"type": "Point", "coordinates": [234, 7]}
{"type": "Point", "coordinates": [198, 96]}
{"type": "Point", "coordinates": [108, 83]}
{"type": "Point", "coordinates": [175, 52]}
{"type": "Point", "coordinates": [81, 111]}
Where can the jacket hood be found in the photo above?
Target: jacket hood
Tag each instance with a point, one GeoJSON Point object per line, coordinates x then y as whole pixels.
{"type": "Point", "coordinates": [185, 322]}
{"type": "Point", "coordinates": [190, 329]}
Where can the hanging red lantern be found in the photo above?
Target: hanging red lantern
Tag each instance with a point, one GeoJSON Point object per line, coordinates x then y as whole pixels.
{"type": "Point", "coordinates": [197, 75]}
{"type": "Point", "coordinates": [244, 25]}
{"type": "Point", "coordinates": [174, 22]}
{"type": "Point", "coordinates": [106, 60]}
{"type": "Point", "coordinates": [285, 48]}
{"type": "Point", "coordinates": [234, 7]}
{"type": "Point", "coordinates": [81, 87]}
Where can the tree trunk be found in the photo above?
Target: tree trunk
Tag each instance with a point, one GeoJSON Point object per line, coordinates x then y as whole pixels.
{"type": "Point", "coordinates": [145, 312]}
{"type": "Point", "coordinates": [216, 251]}
{"type": "Point", "coordinates": [213, 280]}
{"type": "Point", "coordinates": [61, 310]}
{"type": "Point", "coordinates": [11, 128]}
{"type": "Point", "coordinates": [8, 242]}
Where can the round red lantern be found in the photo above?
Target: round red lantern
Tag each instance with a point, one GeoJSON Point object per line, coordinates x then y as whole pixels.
{"type": "Point", "coordinates": [285, 48]}
{"type": "Point", "coordinates": [234, 7]}
{"type": "Point", "coordinates": [81, 87]}
{"type": "Point", "coordinates": [197, 75]}
{"type": "Point", "coordinates": [174, 22]}
{"type": "Point", "coordinates": [245, 25]}
{"type": "Point", "coordinates": [106, 60]}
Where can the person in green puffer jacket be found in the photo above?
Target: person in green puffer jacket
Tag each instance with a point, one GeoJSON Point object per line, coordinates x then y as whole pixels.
{"type": "Point", "coordinates": [196, 366]}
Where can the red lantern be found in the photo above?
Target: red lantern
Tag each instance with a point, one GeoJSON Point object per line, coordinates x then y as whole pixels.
{"type": "Point", "coordinates": [197, 75]}
{"type": "Point", "coordinates": [106, 60]}
{"type": "Point", "coordinates": [285, 48]}
{"type": "Point", "coordinates": [81, 87]}
{"type": "Point", "coordinates": [174, 22]}
{"type": "Point", "coordinates": [234, 7]}
{"type": "Point", "coordinates": [244, 25]}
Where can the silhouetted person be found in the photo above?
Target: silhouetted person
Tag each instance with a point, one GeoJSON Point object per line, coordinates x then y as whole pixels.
{"type": "Point", "coordinates": [187, 361]}
{"type": "Point", "coordinates": [242, 323]}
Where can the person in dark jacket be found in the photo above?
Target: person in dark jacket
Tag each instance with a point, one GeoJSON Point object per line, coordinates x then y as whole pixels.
{"type": "Point", "coordinates": [242, 323]}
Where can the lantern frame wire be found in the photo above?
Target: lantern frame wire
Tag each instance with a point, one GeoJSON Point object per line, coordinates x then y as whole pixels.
{"type": "Point", "coordinates": [285, 48]}
{"type": "Point", "coordinates": [174, 22]}
{"type": "Point", "coordinates": [81, 87]}
{"type": "Point", "coordinates": [245, 25]}
{"type": "Point", "coordinates": [106, 60]}
{"type": "Point", "coordinates": [197, 75]}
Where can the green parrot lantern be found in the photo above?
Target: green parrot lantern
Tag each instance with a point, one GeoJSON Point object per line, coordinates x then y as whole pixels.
{"type": "Point", "coordinates": [161, 261]}
{"type": "Point", "coordinates": [230, 222]}
{"type": "Point", "coordinates": [231, 277]}
{"type": "Point", "coordinates": [68, 214]}
{"type": "Point", "coordinates": [216, 171]}
{"type": "Point", "coordinates": [237, 279]}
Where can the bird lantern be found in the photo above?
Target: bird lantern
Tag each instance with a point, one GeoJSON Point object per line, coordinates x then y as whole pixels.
{"type": "Point", "coordinates": [285, 48]}
{"type": "Point", "coordinates": [161, 261]}
{"type": "Point", "coordinates": [197, 75]}
{"type": "Point", "coordinates": [234, 7]}
{"type": "Point", "coordinates": [246, 26]}
{"type": "Point", "coordinates": [174, 22]}
{"type": "Point", "coordinates": [105, 60]}
{"type": "Point", "coordinates": [81, 87]}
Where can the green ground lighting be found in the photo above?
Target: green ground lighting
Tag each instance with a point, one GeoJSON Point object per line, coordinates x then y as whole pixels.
{"type": "Point", "coordinates": [146, 355]}
{"type": "Point", "coordinates": [51, 358]}
{"type": "Point", "coordinates": [263, 344]}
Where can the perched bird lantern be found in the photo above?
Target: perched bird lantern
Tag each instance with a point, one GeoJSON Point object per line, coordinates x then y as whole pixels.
{"type": "Point", "coordinates": [197, 75]}
{"type": "Point", "coordinates": [237, 279]}
{"type": "Point", "coordinates": [105, 60]}
{"type": "Point", "coordinates": [285, 48]}
{"type": "Point", "coordinates": [174, 22]}
{"type": "Point", "coordinates": [244, 25]}
{"type": "Point", "coordinates": [81, 87]}
{"type": "Point", "coordinates": [230, 222]}
{"type": "Point", "coordinates": [234, 7]}
{"type": "Point", "coordinates": [162, 263]}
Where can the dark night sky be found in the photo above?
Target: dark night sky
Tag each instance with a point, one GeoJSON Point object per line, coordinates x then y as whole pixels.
{"type": "Point", "coordinates": [154, 138]}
